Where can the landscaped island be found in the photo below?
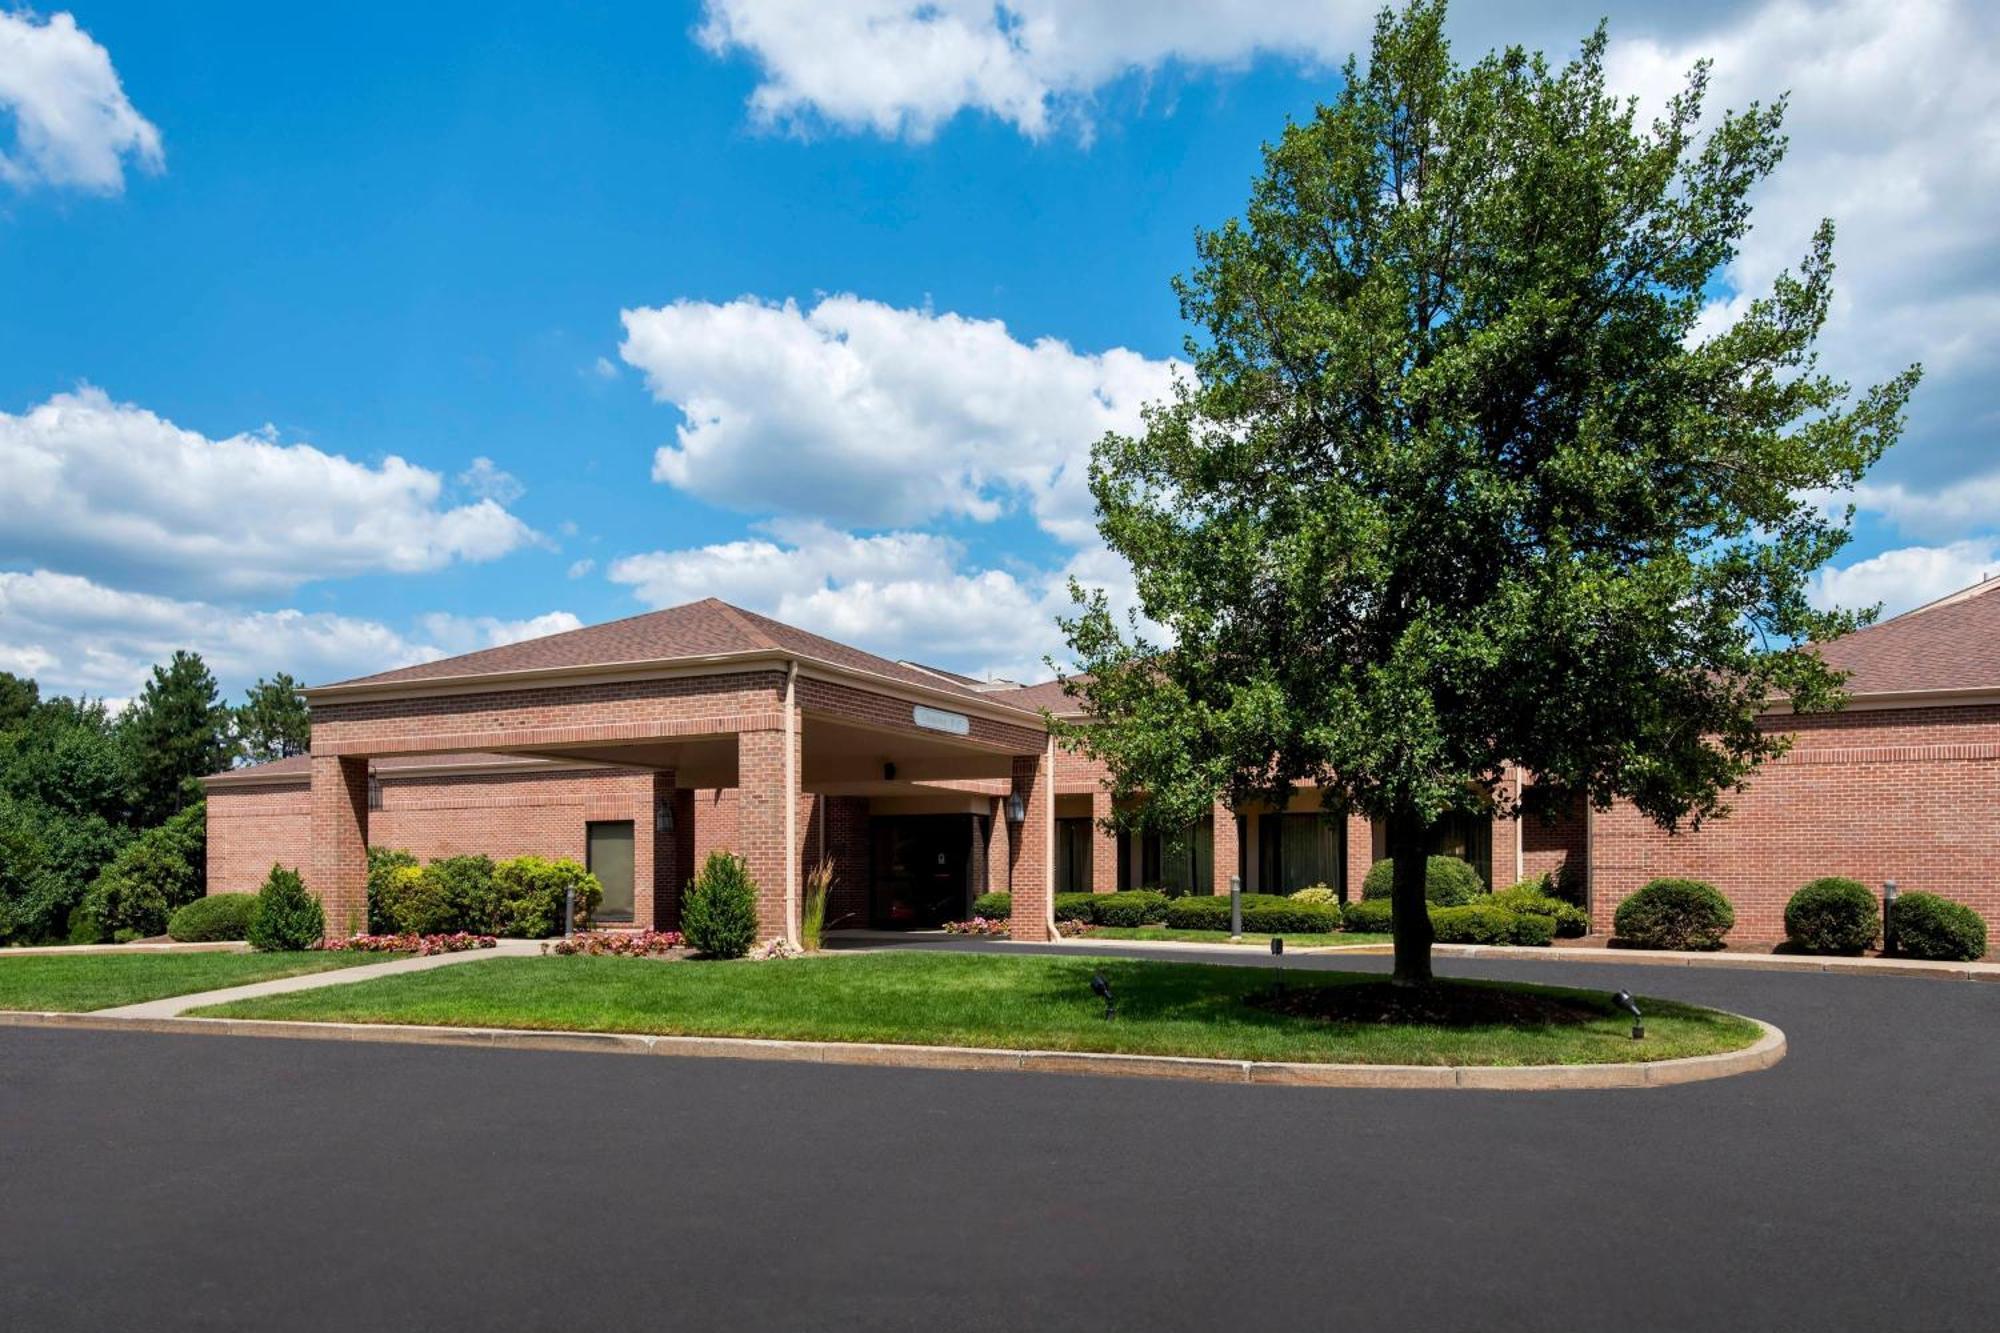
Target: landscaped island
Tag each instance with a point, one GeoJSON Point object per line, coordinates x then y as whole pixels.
{"type": "Point", "coordinates": [1030, 1003]}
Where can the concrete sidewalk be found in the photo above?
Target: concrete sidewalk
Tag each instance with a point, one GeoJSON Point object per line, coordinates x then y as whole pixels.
{"type": "Point", "coordinates": [173, 1006]}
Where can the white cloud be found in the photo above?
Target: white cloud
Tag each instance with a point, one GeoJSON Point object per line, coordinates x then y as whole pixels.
{"type": "Point", "coordinates": [578, 568]}
{"type": "Point", "coordinates": [904, 67]}
{"type": "Point", "coordinates": [487, 481]}
{"type": "Point", "coordinates": [78, 636]}
{"type": "Point", "coordinates": [73, 125]}
{"type": "Point", "coordinates": [899, 594]}
{"type": "Point", "coordinates": [604, 368]}
{"type": "Point", "coordinates": [857, 412]}
{"type": "Point", "coordinates": [1894, 121]}
{"type": "Point", "coordinates": [1907, 577]}
{"type": "Point", "coordinates": [111, 490]}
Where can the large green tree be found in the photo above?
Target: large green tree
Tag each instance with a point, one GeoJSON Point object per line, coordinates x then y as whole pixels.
{"type": "Point", "coordinates": [273, 721]}
{"type": "Point", "coordinates": [175, 732]}
{"type": "Point", "coordinates": [1464, 479]}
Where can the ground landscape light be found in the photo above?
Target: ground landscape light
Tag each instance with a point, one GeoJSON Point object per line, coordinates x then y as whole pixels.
{"type": "Point", "coordinates": [1623, 999]}
{"type": "Point", "coordinates": [1102, 989]}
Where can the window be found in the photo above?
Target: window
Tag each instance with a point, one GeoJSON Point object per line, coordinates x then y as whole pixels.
{"type": "Point", "coordinates": [1295, 851]}
{"type": "Point", "coordinates": [1073, 855]}
{"type": "Point", "coordinates": [1179, 863]}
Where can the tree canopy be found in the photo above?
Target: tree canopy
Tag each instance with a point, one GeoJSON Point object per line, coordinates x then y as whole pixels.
{"type": "Point", "coordinates": [273, 721]}
{"type": "Point", "coordinates": [1472, 473]}
{"type": "Point", "coordinates": [175, 733]}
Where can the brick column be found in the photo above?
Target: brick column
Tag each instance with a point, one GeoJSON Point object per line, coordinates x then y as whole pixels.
{"type": "Point", "coordinates": [766, 825]}
{"type": "Point", "coordinates": [338, 872]}
{"type": "Point", "coordinates": [1103, 845]}
{"type": "Point", "coordinates": [998, 859]}
{"type": "Point", "coordinates": [1033, 869]}
{"type": "Point", "coordinates": [1360, 853]}
{"type": "Point", "coordinates": [1225, 846]}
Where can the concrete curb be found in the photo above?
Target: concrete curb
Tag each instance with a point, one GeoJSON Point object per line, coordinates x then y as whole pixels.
{"type": "Point", "coordinates": [1766, 1051]}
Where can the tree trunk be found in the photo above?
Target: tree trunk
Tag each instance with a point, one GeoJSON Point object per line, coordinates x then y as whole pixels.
{"type": "Point", "coordinates": [1412, 912]}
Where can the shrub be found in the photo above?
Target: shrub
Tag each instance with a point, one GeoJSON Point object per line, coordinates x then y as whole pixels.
{"type": "Point", "coordinates": [1926, 925]}
{"type": "Point", "coordinates": [1135, 907]}
{"type": "Point", "coordinates": [156, 872]}
{"type": "Point", "coordinates": [1675, 914]}
{"type": "Point", "coordinates": [1489, 923]}
{"type": "Point", "coordinates": [382, 861]}
{"type": "Point", "coordinates": [412, 902]}
{"type": "Point", "coordinates": [1282, 916]}
{"type": "Point", "coordinates": [1372, 916]}
{"type": "Point", "coordinates": [995, 906]}
{"type": "Point", "coordinates": [530, 893]}
{"type": "Point", "coordinates": [1569, 921]}
{"type": "Point", "coordinates": [470, 891]}
{"type": "Point", "coordinates": [1071, 906]}
{"type": "Point", "coordinates": [1448, 881]}
{"type": "Point", "coordinates": [287, 918]}
{"type": "Point", "coordinates": [1833, 915]}
{"type": "Point", "coordinates": [220, 916]}
{"type": "Point", "coordinates": [812, 907]}
{"type": "Point", "coordinates": [1318, 894]}
{"type": "Point", "coordinates": [1199, 912]}
{"type": "Point", "coordinates": [719, 915]}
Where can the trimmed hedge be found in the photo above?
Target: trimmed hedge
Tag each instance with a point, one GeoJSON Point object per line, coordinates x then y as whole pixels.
{"type": "Point", "coordinates": [1675, 914]}
{"type": "Point", "coordinates": [220, 916]}
{"type": "Point", "coordinates": [1133, 907]}
{"type": "Point", "coordinates": [719, 911]}
{"type": "Point", "coordinates": [1282, 916]}
{"type": "Point", "coordinates": [1449, 881]}
{"type": "Point", "coordinates": [1317, 894]}
{"type": "Point", "coordinates": [1569, 922]}
{"type": "Point", "coordinates": [1373, 916]}
{"type": "Point", "coordinates": [1200, 912]}
{"type": "Point", "coordinates": [1926, 925]}
{"type": "Point", "coordinates": [288, 918]}
{"type": "Point", "coordinates": [1489, 923]}
{"type": "Point", "coordinates": [1076, 907]}
{"type": "Point", "coordinates": [996, 906]}
{"type": "Point", "coordinates": [1833, 915]}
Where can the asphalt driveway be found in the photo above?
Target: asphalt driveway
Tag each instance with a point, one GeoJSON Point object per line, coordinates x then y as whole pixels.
{"type": "Point", "coordinates": [206, 1182]}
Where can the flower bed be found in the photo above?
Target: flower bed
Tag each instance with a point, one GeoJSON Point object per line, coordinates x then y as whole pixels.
{"type": "Point", "coordinates": [979, 925]}
{"type": "Point", "coordinates": [618, 943]}
{"type": "Point", "coordinates": [421, 945]}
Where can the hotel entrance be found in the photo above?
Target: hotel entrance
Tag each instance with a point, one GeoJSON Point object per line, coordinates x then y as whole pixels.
{"type": "Point", "coordinates": [923, 869]}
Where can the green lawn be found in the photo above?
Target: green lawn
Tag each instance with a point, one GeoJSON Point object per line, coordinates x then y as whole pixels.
{"type": "Point", "coordinates": [1017, 1002]}
{"type": "Point", "coordinates": [77, 982]}
{"type": "Point", "coordinates": [1301, 941]}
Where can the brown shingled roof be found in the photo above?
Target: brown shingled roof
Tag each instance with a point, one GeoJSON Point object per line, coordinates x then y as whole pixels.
{"type": "Point", "coordinates": [1049, 694]}
{"type": "Point", "coordinates": [699, 629]}
{"type": "Point", "coordinates": [1950, 644]}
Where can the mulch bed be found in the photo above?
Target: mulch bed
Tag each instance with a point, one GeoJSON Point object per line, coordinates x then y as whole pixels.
{"type": "Point", "coordinates": [1438, 1005]}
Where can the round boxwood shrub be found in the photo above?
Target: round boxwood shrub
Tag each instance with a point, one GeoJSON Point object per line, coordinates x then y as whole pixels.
{"type": "Point", "coordinates": [719, 915]}
{"type": "Point", "coordinates": [997, 906]}
{"type": "Point", "coordinates": [1675, 914]}
{"type": "Point", "coordinates": [1448, 881]}
{"type": "Point", "coordinates": [1833, 915]}
{"type": "Point", "coordinates": [1373, 916]}
{"type": "Point", "coordinates": [288, 917]}
{"type": "Point", "coordinates": [1136, 907]}
{"type": "Point", "coordinates": [220, 916]}
{"type": "Point", "coordinates": [1926, 925]}
{"type": "Point", "coordinates": [532, 894]}
{"type": "Point", "coordinates": [1072, 907]}
{"type": "Point", "coordinates": [1199, 912]}
{"type": "Point", "coordinates": [1318, 894]}
{"type": "Point", "coordinates": [1570, 922]}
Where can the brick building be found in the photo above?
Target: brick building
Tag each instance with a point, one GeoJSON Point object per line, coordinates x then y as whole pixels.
{"type": "Point", "coordinates": [641, 745]}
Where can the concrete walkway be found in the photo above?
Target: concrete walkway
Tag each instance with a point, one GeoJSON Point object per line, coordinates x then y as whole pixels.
{"type": "Point", "coordinates": [174, 1006]}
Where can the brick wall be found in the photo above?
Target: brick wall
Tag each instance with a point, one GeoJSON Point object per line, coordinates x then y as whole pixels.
{"type": "Point", "coordinates": [252, 828]}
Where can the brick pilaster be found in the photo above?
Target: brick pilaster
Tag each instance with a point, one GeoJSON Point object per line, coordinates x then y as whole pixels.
{"type": "Point", "coordinates": [1225, 846]}
{"type": "Point", "coordinates": [998, 858]}
{"type": "Point", "coordinates": [339, 868]}
{"type": "Point", "coordinates": [1360, 853]}
{"type": "Point", "coordinates": [1033, 869]}
{"type": "Point", "coordinates": [1103, 844]}
{"type": "Point", "coordinates": [766, 824]}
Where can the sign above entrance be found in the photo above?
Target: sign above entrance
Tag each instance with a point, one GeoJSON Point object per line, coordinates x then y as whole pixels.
{"type": "Point", "coordinates": [936, 719]}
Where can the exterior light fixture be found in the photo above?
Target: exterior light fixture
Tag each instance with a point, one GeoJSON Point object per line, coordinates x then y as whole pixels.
{"type": "Point", "coordinates": [1102, 990]}
{"type": "Point", "coordinates": [1236, 907]}
{"type": "Point", "coordinates": [1623, 999]}
{"type": "Point", "coordinates": [1017, 809]}
{"type": "Point", "coordinates": [374, 792]}
{"type": "Point", "coordinates": [1278, 952]}
{"type": "Point", "coordinates": [1888, 916]}
{"type": "Point", "coordinates": [663, 815]}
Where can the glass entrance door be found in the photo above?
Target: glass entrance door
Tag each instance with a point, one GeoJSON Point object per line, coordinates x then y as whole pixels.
{"type": "Point", "coordinates": [608, 853]}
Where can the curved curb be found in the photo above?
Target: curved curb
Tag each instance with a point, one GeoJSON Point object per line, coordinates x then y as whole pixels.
{"type": "Point", "coordinates": [1766, 1051]}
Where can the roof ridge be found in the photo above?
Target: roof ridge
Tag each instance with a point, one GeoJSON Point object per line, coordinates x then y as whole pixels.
{"type": "Point", "coordinates": [1965, 594]}
{"type": "Point", "coordinates": [741, 619]}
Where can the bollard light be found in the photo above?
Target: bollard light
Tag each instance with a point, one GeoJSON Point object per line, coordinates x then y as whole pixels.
{"type": "Point", "coordinates": [1102, 989]}
{"type": "Point", "coordinates": [1278, 952]}
{"type": "Point", "coordinates": [1236, 907]}
{"type": "Point", "coordinates": [1623, 999]}
{"type": "Point", "coordinates": [1888, 916]}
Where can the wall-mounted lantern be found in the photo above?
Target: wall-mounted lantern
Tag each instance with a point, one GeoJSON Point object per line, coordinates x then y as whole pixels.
{"type": "Point", "coordinates": [1017, 809]}
{"type": "Point", "coordinates": [374, 792]}
{"type": "Point", "coordinates": [663, 815]}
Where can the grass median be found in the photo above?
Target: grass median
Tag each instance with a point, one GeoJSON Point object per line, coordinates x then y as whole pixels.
{"type": "Point", "coordinates": [81, 982]}
{"type": "Point", "coordinates": [1025, 1003]}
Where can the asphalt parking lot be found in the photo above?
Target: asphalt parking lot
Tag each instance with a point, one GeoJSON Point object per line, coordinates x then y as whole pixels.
{"type": "Point", "coordinates": [207, 1182]}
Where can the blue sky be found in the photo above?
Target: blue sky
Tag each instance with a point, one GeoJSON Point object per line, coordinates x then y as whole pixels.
{"type": "Point", "coordinates": [563, 240]}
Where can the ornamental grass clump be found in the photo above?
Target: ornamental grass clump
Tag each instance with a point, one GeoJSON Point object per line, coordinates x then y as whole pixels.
{"type": "Point", "coordinates": [812, 908]}
{"type": "Point", "coordinates": [1833, 915]}
{"type": "Point", "coordinates": [719, 916]}
{"type": "Point", "coordinates": [288, 917]}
